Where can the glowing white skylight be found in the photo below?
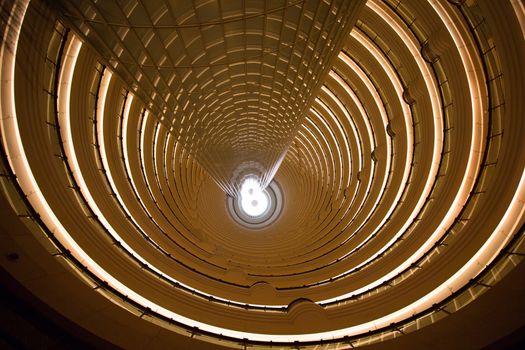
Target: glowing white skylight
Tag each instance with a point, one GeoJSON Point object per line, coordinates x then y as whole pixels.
{"type": "Point", "coordinates": [254, 200]}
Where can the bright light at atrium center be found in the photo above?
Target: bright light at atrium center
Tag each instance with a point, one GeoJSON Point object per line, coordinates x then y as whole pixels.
{"type": "Point", "coordinates": [254, 200]}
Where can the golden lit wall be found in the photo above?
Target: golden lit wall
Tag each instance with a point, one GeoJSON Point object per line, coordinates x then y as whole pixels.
{"type": "Point", "coordinates": [403, 189]}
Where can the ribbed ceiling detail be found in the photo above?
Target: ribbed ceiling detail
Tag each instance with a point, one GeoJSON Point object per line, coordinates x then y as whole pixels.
{"type": "Point", "coordinates": [230, 80]}
{"type": "Point", "coordinates": [403, 191]}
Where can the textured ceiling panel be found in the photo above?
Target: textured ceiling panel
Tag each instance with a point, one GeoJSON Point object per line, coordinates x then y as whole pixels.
{"type": "Point", "coordinates": [231, 80]}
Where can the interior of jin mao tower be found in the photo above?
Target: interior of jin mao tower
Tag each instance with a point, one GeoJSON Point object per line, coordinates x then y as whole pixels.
{"type": "Point", "coordinates": [280, 174]}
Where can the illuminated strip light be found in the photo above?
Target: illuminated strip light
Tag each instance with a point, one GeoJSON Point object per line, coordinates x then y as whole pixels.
{"type": "Point", "coordinates": [184, 188]}
{"type": "Point", "coordinates": [310, 159]}
{"type": "Point", "coordinates": [427, 301]}
{"type": "Point", "coordinates": [364, 115]}
{"type": "Point", "coordinates": [309, 139]}
{"type": "Point", "coordinates": [329, 112]}
{"type": "Point", "coordinates": [507, 225]}
{"type": "Point", "coordinates": [472, 167]}
{"type": "Point", "coordinates": [476, 142]}
{"type": "Point", "coordinates": [142, 141]}
{"type": "Point", "coordinates": [335, 183]}
{"type": "Point", "coordinates": [516, 209]}
{"type": "Point", "coordinates": [174, 160]}
{"type": "Point", "coordinates": [14, 147]}
{"type": "Point", "coordinates": [159, 196]}
{"type": "Point", "coordinates": [166, 200]}
{"type": "Point", "coordinates": [398, 87]}
{"type": "Point", "coordinates": [321, 156]}
{"type": "Point", "coordinates": [142, 162]}
{"type": "Point", "coordinates": [125, 122]}
{"type": "Point", "coordinates": [519, 9]}
{"type": "Point", "coordinates": [336, 121]}
{"type": "Point", "coordinates": [11, 134]}
{"type": "Point", "coordinates": [102, 99]}
{"type": "Point", "coordinates": [63, 102]}
{"type": "Point", "coordinates": [363, 40]}
{"type": "Point", "coordinates": [103, 90]}
{"type": "Point", "coordinates": [438, 137]}
{"type": "Point", "coordinates": [102, 143]}
{"type": "Point", "coordinates": [154, 157]}
{"type": "Point", "coordinates": [169, 177]}
{"type": "Point", "coordinates": [411, 308]}
{"type": "Point", "coordinates": [306, 148]}
{"type": "Point", "coordinates": [101, 102]}
{"type": "Point", "coordinates": [166, 161]}
{"type": "Point", "coordinates": [371, 88]}
{"type": "Point", "coordinates": [335, 152]}
{"type": "Point", "coordinates": [63, 99]}
{"type": "Point", "coordinates": [384, 117]}
{"type": "Point", "coordinates": [327, 143]}
{"type": "Point", "coordinates": [143, 125]}
{"type": "Point", "coordinates": [350, 120]}
{"type": "Point", "coordinates": [345, 136]}
{"type": "Point", "coordinates": [359, 105]}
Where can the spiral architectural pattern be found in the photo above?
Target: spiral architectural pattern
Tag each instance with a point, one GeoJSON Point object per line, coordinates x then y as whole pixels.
{"type": "Point", "coordinates": [403, 189]}
{"type": "Point", "coordinates": [231, 81]}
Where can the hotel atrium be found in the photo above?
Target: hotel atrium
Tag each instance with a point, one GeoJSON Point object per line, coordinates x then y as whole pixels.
{"type": "Point", "coordinates": [248, 174]}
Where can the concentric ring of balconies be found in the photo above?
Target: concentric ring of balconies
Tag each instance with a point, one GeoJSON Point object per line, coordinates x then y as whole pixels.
{"type": "Point", "coordinates": [390, 185]}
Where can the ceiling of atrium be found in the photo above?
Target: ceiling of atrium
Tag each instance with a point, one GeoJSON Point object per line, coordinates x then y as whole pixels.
{"type": "Point", "coordinates": [390, 134]}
